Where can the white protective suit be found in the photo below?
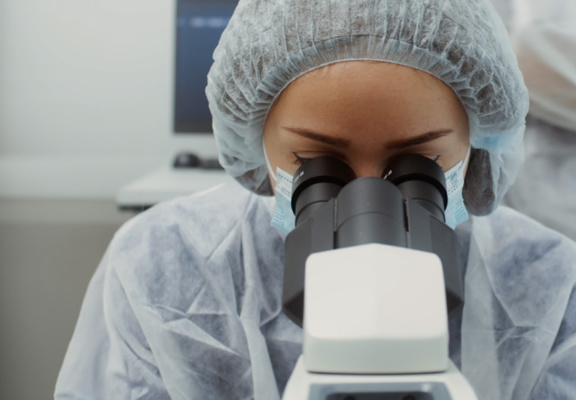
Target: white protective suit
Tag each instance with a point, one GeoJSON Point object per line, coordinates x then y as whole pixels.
{"type": "Point", "coordinates": [186, 304]}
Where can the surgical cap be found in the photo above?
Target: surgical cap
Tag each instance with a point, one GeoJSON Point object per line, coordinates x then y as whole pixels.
{"type": "Point", "coordinates": [270, 43]}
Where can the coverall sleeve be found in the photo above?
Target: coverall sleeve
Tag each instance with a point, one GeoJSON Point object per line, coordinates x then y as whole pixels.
{"type": "Point", "coordinates": [558, 378]}
{"type": "Point", "coordinates": [108, 356]}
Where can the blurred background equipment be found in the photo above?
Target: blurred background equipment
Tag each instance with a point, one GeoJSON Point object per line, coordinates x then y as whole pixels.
{"type": "Point", "coordinates": [198, 26]}
{"type": "Point", "coordinates": [87, 108]}
{"type": "Point", "coordinates": [544, 39]}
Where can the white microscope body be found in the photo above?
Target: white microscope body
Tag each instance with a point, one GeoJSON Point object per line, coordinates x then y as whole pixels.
{"type": "Point", "coordinates": [371, 274]}
{"type": "Point", "coordinates": [372, 331]}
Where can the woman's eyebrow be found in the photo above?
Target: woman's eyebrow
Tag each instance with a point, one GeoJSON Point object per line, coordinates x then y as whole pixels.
{"type": "Point", "coordinates": [420, 139]}
{"type": "Point", "coordinates": [396, 144]}
{"type": "Point", "coordinates": [319, 137]}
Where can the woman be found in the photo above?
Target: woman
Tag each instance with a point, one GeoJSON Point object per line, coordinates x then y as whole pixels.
{"type": "Point", "coordinates": [187, 301]}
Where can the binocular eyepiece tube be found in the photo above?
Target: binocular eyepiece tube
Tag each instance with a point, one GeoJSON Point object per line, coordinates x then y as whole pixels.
{"type": "Point", "coordinates": [322, 179]}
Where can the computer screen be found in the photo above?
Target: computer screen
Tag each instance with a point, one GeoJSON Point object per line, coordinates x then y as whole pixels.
{"type": "Point", "coordinates": [199, 24]}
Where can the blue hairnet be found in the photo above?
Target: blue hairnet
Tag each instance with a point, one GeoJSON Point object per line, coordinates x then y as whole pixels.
{"type": "Point", "coordinates": [268, 44]}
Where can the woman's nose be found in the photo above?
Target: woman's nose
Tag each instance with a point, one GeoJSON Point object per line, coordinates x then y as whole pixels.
{"type": "Point", "coordinates": [369, 170]}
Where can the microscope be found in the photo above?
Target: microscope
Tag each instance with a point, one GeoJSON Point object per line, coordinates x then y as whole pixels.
{"type": "Point", "coordinates": [371, 275]}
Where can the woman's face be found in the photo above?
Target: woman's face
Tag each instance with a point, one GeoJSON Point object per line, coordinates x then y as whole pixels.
{"type": "Point", "coordinates": [364, 113]}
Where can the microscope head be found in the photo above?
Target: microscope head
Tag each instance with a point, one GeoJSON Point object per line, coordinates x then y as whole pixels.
{"type": "Point", "coordinates": [334, 210]}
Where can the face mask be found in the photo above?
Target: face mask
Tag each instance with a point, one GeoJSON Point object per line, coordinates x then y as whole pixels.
{"type": "Point", "coordinates": [283, 217]}
{"type": "Point", "coordinates": [456, 212]}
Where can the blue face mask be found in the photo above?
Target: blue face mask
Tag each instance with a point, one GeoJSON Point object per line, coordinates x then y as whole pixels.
{"type": "Point", "coordinates": [456, 212]}
{"type": "Point", "coordinates": [283, 217]}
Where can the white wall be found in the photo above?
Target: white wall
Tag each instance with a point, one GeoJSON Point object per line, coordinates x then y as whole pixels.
{"type": "Point", "coordinates": [85, 95]}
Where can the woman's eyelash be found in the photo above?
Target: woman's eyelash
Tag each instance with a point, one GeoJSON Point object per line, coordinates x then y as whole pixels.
{"type": "Point", "coordinates": [299, 160]}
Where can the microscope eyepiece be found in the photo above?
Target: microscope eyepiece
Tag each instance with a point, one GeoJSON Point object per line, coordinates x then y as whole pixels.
{"type": "Point", "coordinates": [317, 181]}
{"type": "Point", "coordinates": [421, 179]}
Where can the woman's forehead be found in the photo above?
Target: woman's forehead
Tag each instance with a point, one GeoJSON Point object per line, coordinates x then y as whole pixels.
{"type": "Point", "coordinates": [360, 90]}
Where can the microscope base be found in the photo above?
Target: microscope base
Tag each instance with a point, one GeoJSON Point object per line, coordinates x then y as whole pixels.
{"type": "Point", "coordinates": [448, 385]}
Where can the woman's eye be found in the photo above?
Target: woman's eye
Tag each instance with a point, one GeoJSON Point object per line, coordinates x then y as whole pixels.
{"type": "Point", "coordinates": [434, 158]}
{"type": "Point", "coordinates": [299, 160]}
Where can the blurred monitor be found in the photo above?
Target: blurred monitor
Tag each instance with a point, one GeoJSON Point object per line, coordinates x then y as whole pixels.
{"type": "Point", "coordinates": [199, 25]}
